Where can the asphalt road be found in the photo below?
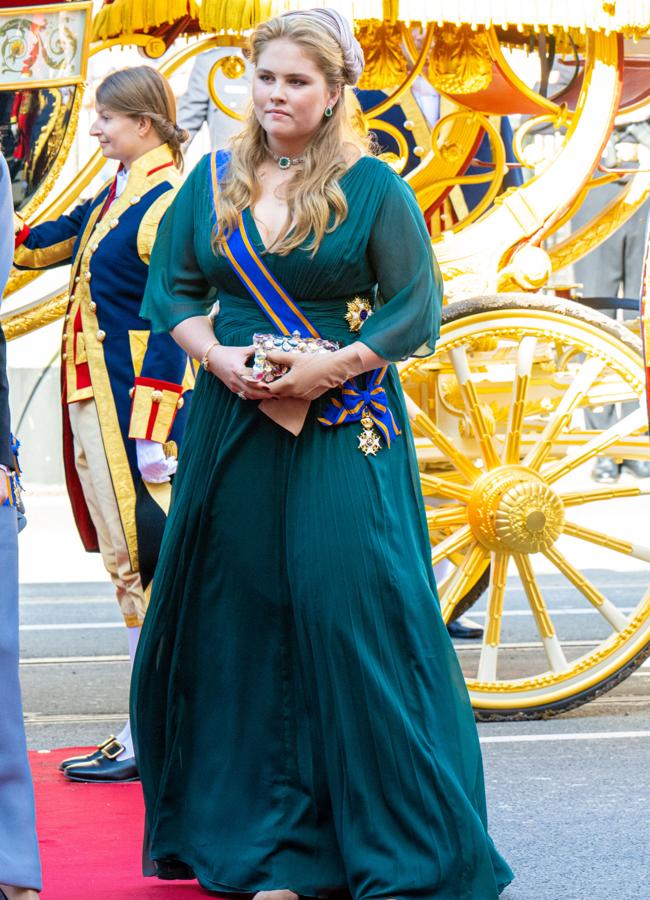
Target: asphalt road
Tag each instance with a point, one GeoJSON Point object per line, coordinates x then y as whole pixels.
{"type": "Point", "coordinates": [568, 797]}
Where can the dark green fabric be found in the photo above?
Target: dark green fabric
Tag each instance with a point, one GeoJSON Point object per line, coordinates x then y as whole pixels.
{"type": "Point", "coordinates": [301, 720]}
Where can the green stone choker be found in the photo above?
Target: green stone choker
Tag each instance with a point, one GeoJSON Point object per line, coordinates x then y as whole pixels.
{"type": "Point", "coordinates": [285, 162]}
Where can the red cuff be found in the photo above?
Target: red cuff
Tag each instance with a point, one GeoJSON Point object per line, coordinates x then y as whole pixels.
{"type": "Point", "coordinates": [21, 236]}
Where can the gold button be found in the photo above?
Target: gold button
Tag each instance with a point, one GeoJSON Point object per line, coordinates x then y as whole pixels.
{"type": "Point", "coordinates": [131, 392]}
{"type": "Point", "coordinates": [67, 318]}
{"type": "Point", "coordinates": [156, 396]}
{"type": "Point", "coordinates": [100, 336]}
{"type": "Point", "coordinates": [114, 223]}
{"type": "Point", "coordinates": [180, 403]}
{"type": "Point", "coordinates": [135, 199]}
{"type": "Point", "coordinates": [92, 306]}
{"type": "Point", "coordinates": [64, 356]}
{"type": "Point", "coordinates": [76, 281]}
{"type": "Point", "coordinates": [87, 276]}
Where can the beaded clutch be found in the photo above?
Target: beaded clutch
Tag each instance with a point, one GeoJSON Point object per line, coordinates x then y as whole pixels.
{"type": "Point", "coordinates": [267, 371]}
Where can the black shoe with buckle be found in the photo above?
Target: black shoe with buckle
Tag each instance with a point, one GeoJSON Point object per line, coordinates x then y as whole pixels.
{"type": "Point", "coordinates": [110, 748]}
{"type": "Point", "coordinates": [104, 771]}
{"type": "Point", "coordinates": [460, 631]}
{"type": "Point", "coordinates": [605, 471]}
{"type": "Point", "coordinates": [640, 468]}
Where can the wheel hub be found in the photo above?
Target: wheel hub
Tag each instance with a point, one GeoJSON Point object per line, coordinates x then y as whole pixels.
{"type": "Point", "coordinates": [512, 509]}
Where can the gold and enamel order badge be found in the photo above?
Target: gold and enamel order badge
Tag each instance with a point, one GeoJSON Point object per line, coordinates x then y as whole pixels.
{"type": "Point", "coordinates": [359, 310]}
{"type": "Point", "coordinates": [369, 440]}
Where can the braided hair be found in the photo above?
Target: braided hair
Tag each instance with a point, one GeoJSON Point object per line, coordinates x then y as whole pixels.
{"type": "Point", "coordinates": [143, 91]}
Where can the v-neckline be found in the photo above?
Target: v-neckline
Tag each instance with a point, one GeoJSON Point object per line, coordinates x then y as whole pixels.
{"type": "Point", "coordinates": [257, 236]}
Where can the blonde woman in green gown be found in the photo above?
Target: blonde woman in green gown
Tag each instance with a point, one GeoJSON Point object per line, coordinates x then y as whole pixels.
{"type": "Point", "coordinates": [302, 724]}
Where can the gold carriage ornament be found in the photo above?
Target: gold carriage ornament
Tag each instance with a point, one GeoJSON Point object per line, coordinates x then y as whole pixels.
{"type": "Point", "coordinates": [43, 59]}
{"type": "Point", "coordinates": [501, 411]}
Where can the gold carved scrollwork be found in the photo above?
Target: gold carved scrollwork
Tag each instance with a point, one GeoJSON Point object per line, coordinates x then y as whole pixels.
{"type": "Point", "coordinates": [382, 48]}
{"type": "Point", "coordinates": [591, 235]}
{"type": "Point", "coordinates": [23, 321]}
{"type": "Point", "coordinates": [461, 61]}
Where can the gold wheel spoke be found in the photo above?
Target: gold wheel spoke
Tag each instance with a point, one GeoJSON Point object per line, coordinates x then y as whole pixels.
{"type": "Point", "coordinates": [632, 422]}
{"type": "Point", "coordinates": [525, 356]}
{"type": "Point", "coordinates": [578, 498]}
{"type": "Point", "coordinates": [457, 541]}
{"type": "Point", "coordinates": [472, 405]}
{"type": "Point", "coordinates": [604, 606]}
{"type": "Point", "coordinates": [421, 422]}
{"type": "Point", "coordinates": [554, 652]}
{"type": "Point", "coordinates": [465, 577]}
{"type": "Point", "coordinates": [570, 399]}
{"type": "Point", "coordinates": [432, 484]}
{"type": "Point", "coordinates": [487, 665]}
{"type": "Point", "coordinates": [444, 517]}
{"type": "Point", "coordinates": [637, 551]}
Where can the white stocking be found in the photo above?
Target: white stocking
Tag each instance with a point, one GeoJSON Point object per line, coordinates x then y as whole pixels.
{"type": "Point", "coordinates": [124, 737]}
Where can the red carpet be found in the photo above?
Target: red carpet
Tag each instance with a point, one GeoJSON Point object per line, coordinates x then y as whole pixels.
{"type": "Point", "coordinates": [91, 839]}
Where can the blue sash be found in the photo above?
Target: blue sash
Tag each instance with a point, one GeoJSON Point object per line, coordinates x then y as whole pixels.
{"type": "Point", "coordinates": [356, 404]}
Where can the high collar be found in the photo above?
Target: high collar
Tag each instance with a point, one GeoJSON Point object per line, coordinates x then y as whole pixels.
{"type": "Point", "coordinates": [154, 159]}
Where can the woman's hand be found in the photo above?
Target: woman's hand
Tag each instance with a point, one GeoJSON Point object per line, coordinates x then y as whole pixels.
{"type": "Point", "coordinates": [312, 374]}
{"type": "Point", "coordinates": [229, 365]}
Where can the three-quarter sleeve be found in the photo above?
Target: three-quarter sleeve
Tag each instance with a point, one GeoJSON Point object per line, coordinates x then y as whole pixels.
{"type": "Point", "coordinates": [176, 286]}
{"type": "Point", "coordinates": [407, 319]}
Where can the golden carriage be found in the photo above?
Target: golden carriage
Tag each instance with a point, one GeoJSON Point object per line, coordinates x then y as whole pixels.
{"type": "Point", "coordinates": [499, 410]}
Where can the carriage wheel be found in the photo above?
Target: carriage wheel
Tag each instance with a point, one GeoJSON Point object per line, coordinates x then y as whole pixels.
{"type": "Point", "coordinates": [505, 451]}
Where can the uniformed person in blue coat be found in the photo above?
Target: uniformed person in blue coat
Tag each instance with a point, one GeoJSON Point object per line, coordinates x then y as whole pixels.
{"type": "Point", "coordinates": [123, 389]}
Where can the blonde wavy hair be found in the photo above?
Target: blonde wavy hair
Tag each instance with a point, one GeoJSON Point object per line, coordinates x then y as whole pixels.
{"type": "Point", "coordinates": [316, 202]}
{"type": "Point", "coordinates": [141, 91]}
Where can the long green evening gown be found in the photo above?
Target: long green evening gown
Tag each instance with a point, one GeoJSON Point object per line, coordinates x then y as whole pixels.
{"type": "Point", "coordinates": [301, 720]}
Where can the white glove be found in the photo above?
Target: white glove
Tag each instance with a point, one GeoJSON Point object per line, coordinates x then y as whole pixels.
{"type": "Point", "coordinates": [154, 466]}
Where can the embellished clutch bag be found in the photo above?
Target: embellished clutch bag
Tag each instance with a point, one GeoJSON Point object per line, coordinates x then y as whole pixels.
{"type": "Point", "coordinates": [267, 371]}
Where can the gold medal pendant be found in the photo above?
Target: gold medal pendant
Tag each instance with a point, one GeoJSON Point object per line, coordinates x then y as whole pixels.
{"type": "Point", "coordinates": [369, 440]}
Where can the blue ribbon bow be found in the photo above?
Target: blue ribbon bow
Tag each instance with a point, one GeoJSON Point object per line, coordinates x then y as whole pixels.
{"type": "Point", "coordinates": [355, 403]}
{"type": "Point", "coordinates": [13, 479]}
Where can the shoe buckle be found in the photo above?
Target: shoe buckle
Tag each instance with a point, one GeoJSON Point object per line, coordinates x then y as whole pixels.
{"type": "Point", "coordinates": [111, 749]}
{"type": "Point", "coordinates": [109, 740]}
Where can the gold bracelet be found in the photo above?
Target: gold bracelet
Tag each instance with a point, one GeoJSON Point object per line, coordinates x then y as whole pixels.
{"type": "Point", "coordinates": [204, 358]}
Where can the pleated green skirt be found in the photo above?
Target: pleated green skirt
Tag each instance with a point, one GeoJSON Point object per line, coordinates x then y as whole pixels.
{"type": "Point", "coordinates": [301, 720]}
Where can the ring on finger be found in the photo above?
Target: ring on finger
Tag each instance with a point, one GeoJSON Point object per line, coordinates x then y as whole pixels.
{"type": "Point", "coordinates": [241, 395]}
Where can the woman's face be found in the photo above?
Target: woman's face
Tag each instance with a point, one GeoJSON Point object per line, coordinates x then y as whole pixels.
{"type": "Point", "coordinates": [120, 137]}
{"type": "Point", "coordinates": [290, 95]}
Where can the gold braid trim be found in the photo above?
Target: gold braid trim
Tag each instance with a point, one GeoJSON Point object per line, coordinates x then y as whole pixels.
{"type": "Point", "coordinates": [42, 257]}
{"type": "Point", "coordinates": [150, 221]}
